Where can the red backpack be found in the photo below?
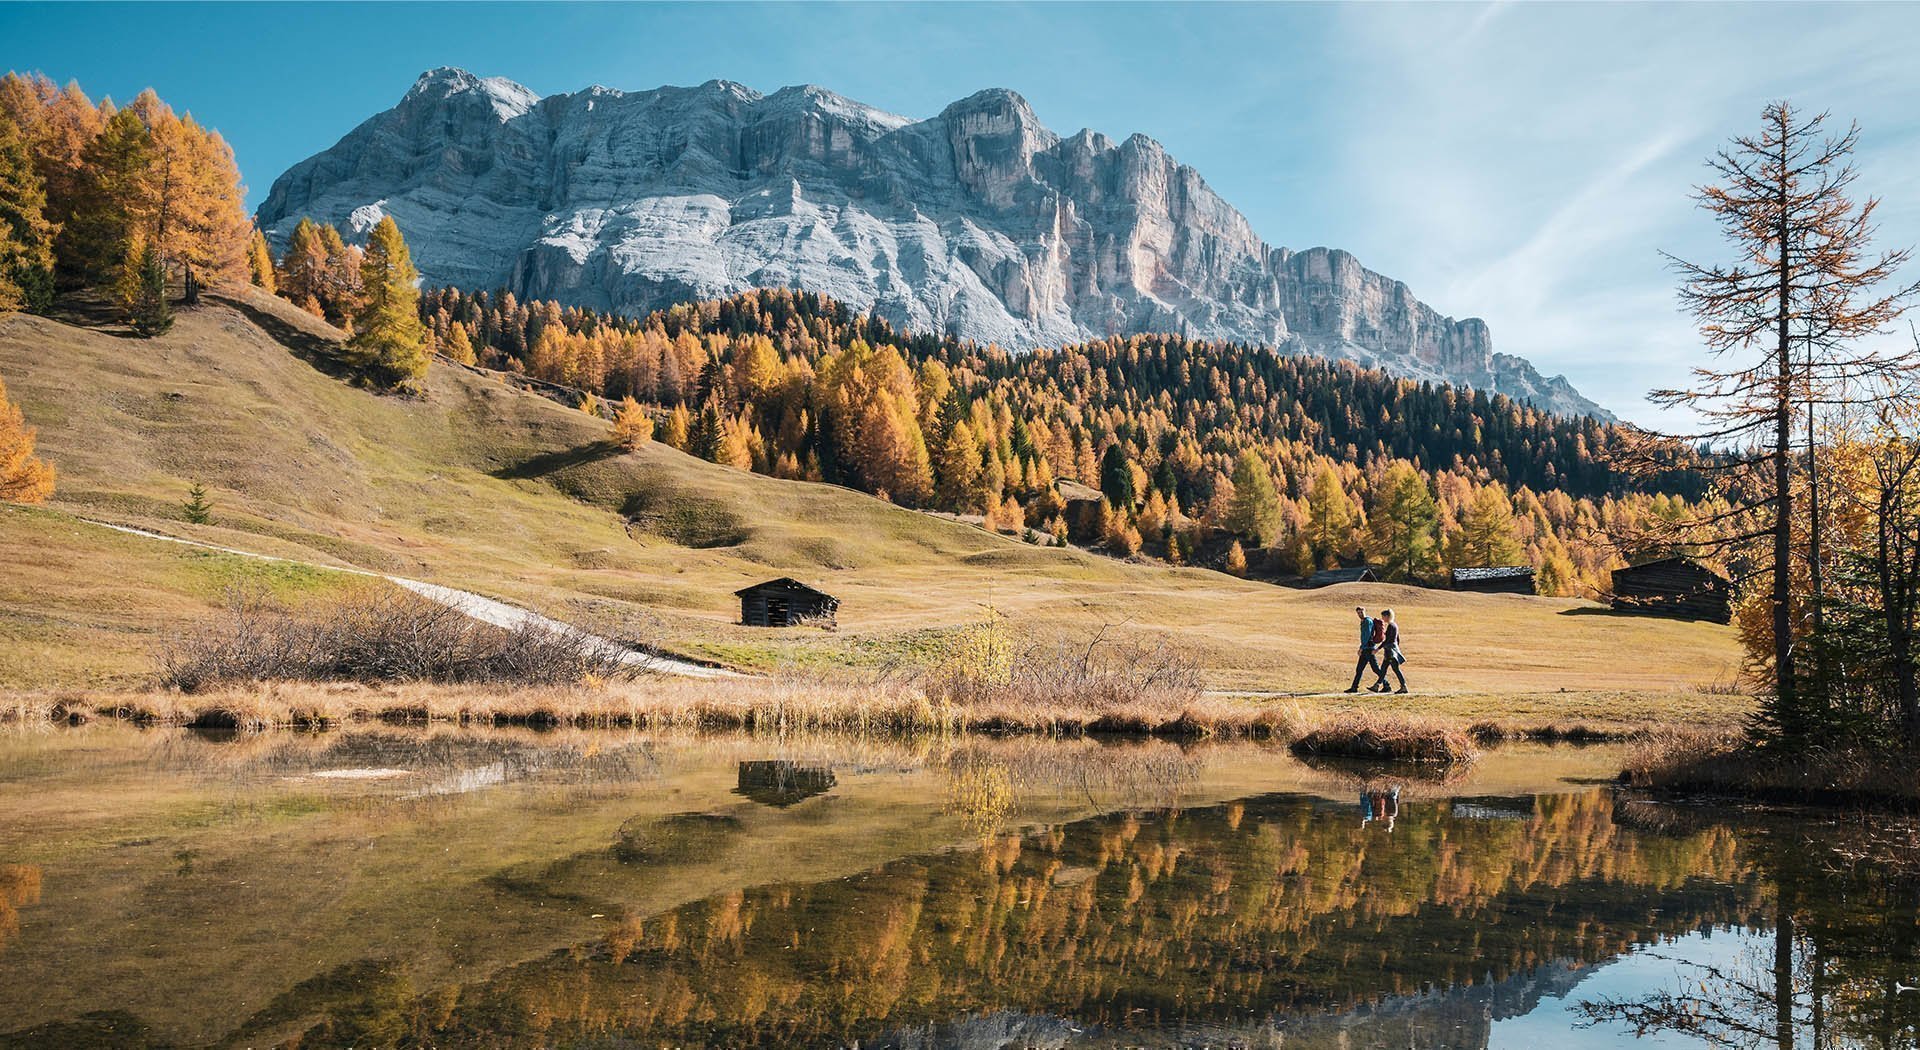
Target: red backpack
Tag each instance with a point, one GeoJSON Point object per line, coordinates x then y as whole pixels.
{"type": "Point", "coordinates": [1379, 633]}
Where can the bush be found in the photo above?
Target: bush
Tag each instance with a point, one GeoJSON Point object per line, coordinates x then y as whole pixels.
{"type": "Point", "coordinates": [986, 663]}
{"type": "Point", "coordinates": [380, 636]}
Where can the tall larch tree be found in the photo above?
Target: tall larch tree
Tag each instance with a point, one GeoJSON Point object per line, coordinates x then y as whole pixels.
{"type": "Point", "coordinates": [1487, 535]}
{"type": "Point", "coordinates": [1254, 513]}
{"type": "Point", "coordinates": [24, 477]}
{"type": "Point", "coordinates": [115, 201]}
{"type": "Point", "coordinates": [389, 342]}
{"type": "Point", "coordinates": [303, 269]}
{"type": "Point", "coordinates": [1330, 517]}
{"type": "Point", "coordinates": [260, 269]}
{"type": "Point", "coordinates": [26, 237]}
{"type": "Point", "coordinates": [1400, 524]}
{"type": "Point", "coordinates": [1804, 278]}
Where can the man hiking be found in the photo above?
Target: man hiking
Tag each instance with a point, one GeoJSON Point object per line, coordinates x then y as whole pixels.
{"type": "Point", "coordinates": [1371, 635]}
{"type": "Point", "coordinates": [1390, 658]}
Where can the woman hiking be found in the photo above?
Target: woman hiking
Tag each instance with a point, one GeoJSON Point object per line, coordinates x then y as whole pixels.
{"type": "Point", "coordinates": [1390, 657]}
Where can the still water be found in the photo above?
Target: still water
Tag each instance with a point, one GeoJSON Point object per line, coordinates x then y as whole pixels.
{"type": "Point", "coordinates": [458, 888]}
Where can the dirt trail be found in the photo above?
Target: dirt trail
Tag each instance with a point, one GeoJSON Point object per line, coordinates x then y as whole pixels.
{"type": "Point", "coordinates": [479, 607]}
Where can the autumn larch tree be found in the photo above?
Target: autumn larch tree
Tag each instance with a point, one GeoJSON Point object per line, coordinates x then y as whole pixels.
{"type": "Point", "coordinates": [1400, 524]}
{"type": "Point", "coordinates": [141, 288]}
{"type": "Point", "coordinates": [389, 342]}
{"type": "Point", "coordinates": [26, 237]}
{"type": "Point", "coordinates": [260, 271]}
{"type": "Point", "coordinates": [24, 477]}
{"type": "Point", "coordinates": [1487, 536]}
{"type": "Point", "coordinates": [1254, 513]}
{"type": "Point", "coordinates": [115, 201]}
{"type": "Point", "coordinates": [632, 427]}
{"type": "Point", "coordinates": [1330, 516]}
{"type": "Point", "coordinates": [1803, 272]}
{"type": "Point", "coordinates": [303, 269]}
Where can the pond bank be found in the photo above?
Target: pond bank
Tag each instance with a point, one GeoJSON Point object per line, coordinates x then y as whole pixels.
{"type": "Point", "coordinates": [798, 705]}
{"type": "Point", "coordinates": [1699, 765]}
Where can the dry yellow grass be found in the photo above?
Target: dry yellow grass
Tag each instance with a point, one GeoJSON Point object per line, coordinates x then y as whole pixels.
{"type": "Point", "coordinates": [499, 491]}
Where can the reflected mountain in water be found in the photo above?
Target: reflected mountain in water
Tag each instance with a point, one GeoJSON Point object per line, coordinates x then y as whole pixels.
{"type": "Point", "coordinates": [595, 890]}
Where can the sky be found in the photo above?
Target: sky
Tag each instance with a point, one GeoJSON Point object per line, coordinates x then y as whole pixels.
{"type": "Point", "coordinates": [1523, 163]}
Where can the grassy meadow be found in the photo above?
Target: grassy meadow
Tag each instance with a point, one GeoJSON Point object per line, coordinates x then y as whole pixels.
{"type": "Point", "coordinates": [484, 487]}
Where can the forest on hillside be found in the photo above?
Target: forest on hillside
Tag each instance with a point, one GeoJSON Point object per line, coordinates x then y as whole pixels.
{"type": "Point", "coordinates": [1219, 453]}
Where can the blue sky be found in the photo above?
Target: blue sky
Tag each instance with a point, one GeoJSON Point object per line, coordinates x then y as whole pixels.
{"type": "Point", "coordinates": [1523, 163]}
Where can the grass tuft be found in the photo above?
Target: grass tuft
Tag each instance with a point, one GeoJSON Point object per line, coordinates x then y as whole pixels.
{"type": "Point", "coordinates": [1374, 737]}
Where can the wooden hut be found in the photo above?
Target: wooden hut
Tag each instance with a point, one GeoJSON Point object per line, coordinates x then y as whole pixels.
{"type": "Point", "coordinates": [1676, 586]}
{"type": "Point", "coordinates": [1495, 579]}
{"type": "Point", "coordinates": [785, 603]}
{"type": "Point", "coordinates": [782, 782]}
{"type": "Point", "coordinates": [1356, 574]}
{"type": "Point", "coordinates": [1084, 507]}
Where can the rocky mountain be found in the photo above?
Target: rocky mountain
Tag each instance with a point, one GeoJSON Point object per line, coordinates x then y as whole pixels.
{"type": "Point", "coordinates": [979, 221]}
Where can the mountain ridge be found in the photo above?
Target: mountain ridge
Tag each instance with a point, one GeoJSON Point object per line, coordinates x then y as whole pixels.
{"type": "Point", "coordinates": [979, 221]}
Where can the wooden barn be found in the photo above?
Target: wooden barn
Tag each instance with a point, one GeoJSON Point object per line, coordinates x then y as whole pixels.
{"type": "Point", "coordinates": [1356, 574]}
{"type": "Point", "coordinates": [1495, 579]}
{"type": "Point", "coordinates": [1675, 586]}
{"type": "Point", "coordinates": [781, 782]}
{"type": "Point", "coordinates": [1083, 510]}
{"type": "Point", "coordinates": [785, 603]}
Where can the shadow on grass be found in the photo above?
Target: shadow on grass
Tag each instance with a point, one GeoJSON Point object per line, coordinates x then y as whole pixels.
{"type": "Point", "coordinates": [320, 352]}
{"type": "Point", "coordinates": [1633, 614]}
{"type": "Point", "coordinates": [550, 462]}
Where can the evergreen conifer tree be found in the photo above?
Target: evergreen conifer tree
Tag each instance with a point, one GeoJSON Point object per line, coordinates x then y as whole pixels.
{"type": "Point", "coordinates": [196, 508]}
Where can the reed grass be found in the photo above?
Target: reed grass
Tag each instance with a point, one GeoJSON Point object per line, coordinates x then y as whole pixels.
{"type": "Point", "coordinates": [779, 705]}
{"type": "Point", "coordinates": [1389, 739]}
{"type": "Point", "coordinates": [1730, 765]}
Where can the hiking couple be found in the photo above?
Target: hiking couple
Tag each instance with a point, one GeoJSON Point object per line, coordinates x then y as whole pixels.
{"type": "Point", "coordinates": [1379, 652]}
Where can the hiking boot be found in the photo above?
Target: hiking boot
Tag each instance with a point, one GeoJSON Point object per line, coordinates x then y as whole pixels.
{"type": "Point", "coordinates": [1355, 689]}
{"type": "Point", "coordinates": [1402, 689]}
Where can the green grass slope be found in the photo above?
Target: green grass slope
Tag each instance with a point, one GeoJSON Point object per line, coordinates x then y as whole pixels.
{"type": "Point", "coordinates": [485, 487]}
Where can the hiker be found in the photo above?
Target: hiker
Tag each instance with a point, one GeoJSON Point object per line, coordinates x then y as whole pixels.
{"type": "Point", "coordinates": [1370, 634]}
{"type": "Point", "coordinates": [1390, 655]}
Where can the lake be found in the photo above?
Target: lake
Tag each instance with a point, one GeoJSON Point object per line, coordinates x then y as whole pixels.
{"type": "Point", "coordinates": [446, 887]}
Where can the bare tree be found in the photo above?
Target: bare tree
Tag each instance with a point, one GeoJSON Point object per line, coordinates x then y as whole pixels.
{"type": "Point", "coordinates": [1805, 279]}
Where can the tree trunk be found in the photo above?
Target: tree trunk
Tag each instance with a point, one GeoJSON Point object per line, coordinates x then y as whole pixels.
{"type": "Point", "coordinates": [1783, 974]}
{"type": "Point", "coordinates": [1782, 482]}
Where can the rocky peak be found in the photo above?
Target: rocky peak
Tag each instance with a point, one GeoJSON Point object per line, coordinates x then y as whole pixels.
{"type": "Point", "coordinates": [436, 86]}
{"type": "Point", "coordinates": [979, 221]}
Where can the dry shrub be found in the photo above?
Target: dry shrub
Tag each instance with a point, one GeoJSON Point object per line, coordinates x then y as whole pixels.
{"type": "Point", "coordinates": [1368, 736]}
{"type": "Point", "coordinates": [1129, 682]}
{"type": "Point", "coordinates": [1729, 764]}
{"type": "Point", "coordinates": [379, 636]}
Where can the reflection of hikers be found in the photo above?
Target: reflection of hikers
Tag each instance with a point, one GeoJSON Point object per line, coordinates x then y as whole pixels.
{"type": "Point", "coordinates": [1390, 656]}
{"type": "Point", "coordinates": [1376, 804]}
{"type": "Point", "coordinates": [1371, 633]}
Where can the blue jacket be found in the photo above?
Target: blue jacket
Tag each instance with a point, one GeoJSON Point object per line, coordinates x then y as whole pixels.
{"type": "Point", "coordinates": [1366, 633]}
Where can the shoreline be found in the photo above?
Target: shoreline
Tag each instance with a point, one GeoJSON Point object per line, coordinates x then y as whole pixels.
{"type": "Point", "coordinates": [780, 706]}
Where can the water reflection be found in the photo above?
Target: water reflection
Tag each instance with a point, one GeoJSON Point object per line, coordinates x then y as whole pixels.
{"type": "Point", "coordinates": [517, 889]}
{"type": "Point", "coordinates": [782, 782]}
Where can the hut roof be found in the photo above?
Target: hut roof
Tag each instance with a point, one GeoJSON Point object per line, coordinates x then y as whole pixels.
{"type": "Point", "coordinates": [1357, 574]}
{"type": "Point", "coordinates": [785, 583]}
{"type": "Point", "coordinates": [1673, 561]}
{"type": "Point", "coordinates": [1073, 491]}
{"type": "Point", "coordinates": [1491, 572]}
